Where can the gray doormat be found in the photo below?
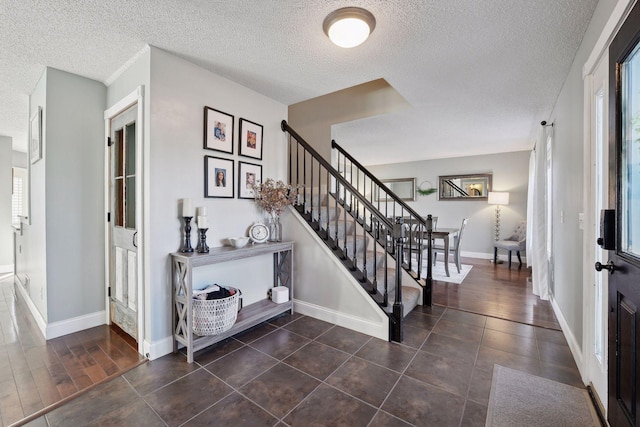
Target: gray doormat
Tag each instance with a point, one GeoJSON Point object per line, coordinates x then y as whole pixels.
{"type": "Point", "coordinates": [521, 399]}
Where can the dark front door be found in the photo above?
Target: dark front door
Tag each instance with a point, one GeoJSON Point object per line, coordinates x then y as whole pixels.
{"type": "Point", "coordinates": [624, 195]}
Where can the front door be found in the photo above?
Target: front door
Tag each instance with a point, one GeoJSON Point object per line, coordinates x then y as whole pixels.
{"type": "Point", "coordinates": [123, 298]}
{"type": "Point", "coordinates": [597, 283]}
{"type": "Point", "coordinates": [624, 195]}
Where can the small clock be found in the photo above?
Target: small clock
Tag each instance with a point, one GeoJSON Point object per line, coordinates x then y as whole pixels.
{"type": "Point", "coordinates": [259, 232]}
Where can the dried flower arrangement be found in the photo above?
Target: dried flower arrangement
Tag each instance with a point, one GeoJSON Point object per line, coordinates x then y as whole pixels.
{"type": "Point", "coordinates": [273, 196]}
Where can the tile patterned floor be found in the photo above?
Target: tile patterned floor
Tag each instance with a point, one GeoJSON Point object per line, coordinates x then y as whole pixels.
{"type": "Point", "coordinates": [299, 371]}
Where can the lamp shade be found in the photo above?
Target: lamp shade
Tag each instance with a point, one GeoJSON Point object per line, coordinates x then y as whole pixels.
{"type": "Point", "coordinates": [498, 198]}
{"type": "Point", "coordinates": [349, 26]}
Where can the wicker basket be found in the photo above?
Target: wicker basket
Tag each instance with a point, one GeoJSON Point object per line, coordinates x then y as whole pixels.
{"type": "Point", "coordinates": [215, 316]}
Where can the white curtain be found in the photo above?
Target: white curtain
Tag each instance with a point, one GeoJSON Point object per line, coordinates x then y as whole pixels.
{"type": "Point", "coordinates": [536, 224]}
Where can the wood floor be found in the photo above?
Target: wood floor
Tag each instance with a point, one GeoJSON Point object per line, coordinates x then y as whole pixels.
{"type": "Point", "coordinates": [36, 374]}
{"type": "Point", "coordinates": [496, 291]}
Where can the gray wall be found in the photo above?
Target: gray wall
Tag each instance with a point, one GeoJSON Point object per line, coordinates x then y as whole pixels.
{"type": "Point", "coordinates": [6, 230]}
{"type": "Point", "coordinates": [62, 244]}
{"type": "Point", "coordinates": [74, 188]}
{"type": "Point", "coordinates": [510, 173]}
{"type": "Point", "coordinates": [568, 127]}
{"type": "Point", "coordinates": [175, 96]}
{"type": "Point", "coordinates": [33, 237]}
{"type": "Point", "coordinates": [20, 159]}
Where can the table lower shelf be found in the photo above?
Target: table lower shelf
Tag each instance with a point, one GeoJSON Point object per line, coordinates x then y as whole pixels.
{"type": "Point", "coordinates": [249, 316]}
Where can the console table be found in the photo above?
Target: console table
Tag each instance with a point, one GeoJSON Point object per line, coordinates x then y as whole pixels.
{"type": "Point", "coordinates": [182, 265]}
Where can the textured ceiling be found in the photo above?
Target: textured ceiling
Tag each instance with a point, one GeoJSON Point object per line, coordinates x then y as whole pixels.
{"type": "Point", "coordinates": [480, 74]}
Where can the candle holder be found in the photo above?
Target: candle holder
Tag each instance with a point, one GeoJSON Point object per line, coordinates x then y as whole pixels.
{"type": "Point", "coordinates": [187, 235]}
{"type": "Point", "coordinates": [202, 244]}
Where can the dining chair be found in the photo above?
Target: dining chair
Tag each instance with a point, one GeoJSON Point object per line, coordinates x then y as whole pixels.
{"type": "Point", "coordinates": [516, 242]}
{"type": "Point", "coordinates": [414, 241]}
{"type": "Point", "coordinates": [453, 249]}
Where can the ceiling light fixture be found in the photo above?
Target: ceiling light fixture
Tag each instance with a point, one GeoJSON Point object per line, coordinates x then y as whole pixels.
{"type": "Point", "coordinates": [349, 26]}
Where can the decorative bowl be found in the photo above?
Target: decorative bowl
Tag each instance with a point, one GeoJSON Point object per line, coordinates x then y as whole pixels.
{"type": "Point", "coordinates": [239, 242]}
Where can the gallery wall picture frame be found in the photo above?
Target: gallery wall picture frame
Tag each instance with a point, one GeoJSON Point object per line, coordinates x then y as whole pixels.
{"type": "Point", "coordinates": [218, 177]}
{"type": "Point", "coordinates": [250, 139]}
{"type": "Point", "coordinates": [248, 174]}
{"type": "Point", "coordinates": [35, 136]}
{"type": "Point", "coordinates": [218, 130]}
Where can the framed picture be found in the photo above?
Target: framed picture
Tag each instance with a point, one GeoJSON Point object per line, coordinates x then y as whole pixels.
{"type": "Point", "coordinates": [218, 177]}
{"type": "Point", "coordinates": [250, 139]}
{"type": "Point", "coordinates": [218, 130]}
{"type": "Point", "coordinates": [35, 137]}
{"type": "Point", "coordinates": [248, 174]}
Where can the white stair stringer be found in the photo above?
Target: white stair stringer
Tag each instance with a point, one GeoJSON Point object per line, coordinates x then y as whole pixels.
{"type": "Point", "coordinates": [324, 286]}
{"type": "Point", "coordinates": [411, 291]}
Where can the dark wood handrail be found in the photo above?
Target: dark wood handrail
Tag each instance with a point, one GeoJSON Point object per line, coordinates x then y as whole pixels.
{"type": "Point", "coordinates": [336, 174]}
{"type": "Point", "coordinates": [388, 191]}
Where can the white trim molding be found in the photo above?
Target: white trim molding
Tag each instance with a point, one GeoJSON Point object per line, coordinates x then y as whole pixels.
{"type": "Point", "coordinates": [156, 349]}
{"type": "Point", "coordinates": [136, 97]}
{"type": "Point", "coordinates": [576, 351]}
{"type": "Point", "coordinates": [618, 16]}
{"type": "Point", "coordinates": [37, 316]}
{"type": "Point", "coordinates": [365, 326]}
{"type": "Point", "coordinates": [75, 324]}
{"type": "Point", "coordinates": [126, 65]}
{"type": "Point", "coordinates": [7, 268]}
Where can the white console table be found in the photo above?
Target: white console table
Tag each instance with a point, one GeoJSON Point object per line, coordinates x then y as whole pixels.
{"type": "Point", "coordinates": [182, 265]}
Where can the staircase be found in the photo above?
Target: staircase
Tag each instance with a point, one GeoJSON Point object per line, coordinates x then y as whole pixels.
{"type": "Point", "coordinates": [365, 225]}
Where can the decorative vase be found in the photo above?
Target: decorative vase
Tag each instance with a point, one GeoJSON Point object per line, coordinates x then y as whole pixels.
{"type": "Point", "coordinates": [275, 229]}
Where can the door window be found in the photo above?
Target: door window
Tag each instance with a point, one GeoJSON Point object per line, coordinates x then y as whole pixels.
{"type": "Point", "coordinates": [125, 176]}
{"type": "Point", "coordinates": [630, 167]}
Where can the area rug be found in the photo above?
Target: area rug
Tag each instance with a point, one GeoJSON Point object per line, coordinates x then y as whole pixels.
{"type": "Point", "coordinates": [438, 273]}
{"type": "Point", "coordinates": [521, 399]}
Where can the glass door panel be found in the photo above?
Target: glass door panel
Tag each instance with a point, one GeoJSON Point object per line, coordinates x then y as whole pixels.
{"type": "Point", "coordinates": [630, 168]}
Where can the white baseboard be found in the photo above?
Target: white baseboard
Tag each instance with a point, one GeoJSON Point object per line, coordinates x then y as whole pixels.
{"type": "Point", "coordinates": [156, 349]}
{"type": "Point", "coordinates": [75, 324]}
{"type": "Point", "coordinates": [42, 324]}
{"type": "Point", "coordinates": [576, 351]}
{"type": "Point", "coordinates": [365, 326]}
{"type": "Point", "coordinates": [7, 268]}
{"type": "Point", "coordinates": [63, 327]}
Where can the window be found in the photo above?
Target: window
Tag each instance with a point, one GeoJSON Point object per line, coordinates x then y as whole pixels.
{"type": "Point", "coordinates": [18, 196]}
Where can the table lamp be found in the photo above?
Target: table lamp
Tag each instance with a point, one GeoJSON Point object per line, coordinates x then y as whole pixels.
{"type": "Point", "coordinates": [498, 198]}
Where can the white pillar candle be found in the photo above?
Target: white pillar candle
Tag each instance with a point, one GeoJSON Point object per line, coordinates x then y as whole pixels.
{"type": "Point", "coordinates": [202, 221]}
{"type": "Point", "coordinates": [202, 211]}
{"type": "Point", "coordinates": [187, 207]}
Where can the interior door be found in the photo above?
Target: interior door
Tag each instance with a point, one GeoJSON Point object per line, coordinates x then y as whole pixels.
{"type": "Point", "coordinates": [597, 285]}
{"type": "Point", "coordinates": [123, 301]}
{"type": "Point", "coordinates": [624, 194]}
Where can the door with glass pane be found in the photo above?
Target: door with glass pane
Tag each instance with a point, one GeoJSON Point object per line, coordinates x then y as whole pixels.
{"type": "Point", "coordinates": [597, 283]}
{"type": "Point", "coordinates": [123, 301]}
{"type": "Point", "coordinates": [624, 193]}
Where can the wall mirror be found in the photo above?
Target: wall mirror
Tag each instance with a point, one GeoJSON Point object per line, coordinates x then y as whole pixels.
{"type": "Point", "coordinates": [404, 188]}
{"type": "Point", "coordinates": [464, 187]}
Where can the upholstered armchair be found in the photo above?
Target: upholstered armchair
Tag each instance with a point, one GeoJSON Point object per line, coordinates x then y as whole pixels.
{"type": "Point", "coordinates": [516, 242]}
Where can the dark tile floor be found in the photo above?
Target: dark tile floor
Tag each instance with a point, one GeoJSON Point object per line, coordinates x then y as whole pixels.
{"type": "Point", "coordinates": [299, 371]}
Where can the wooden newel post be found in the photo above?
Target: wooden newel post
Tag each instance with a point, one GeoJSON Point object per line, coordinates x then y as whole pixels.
{"type": "Point", "coordinates": [427, 294]}
{"type": "Point", "coordinates": [398, 308]}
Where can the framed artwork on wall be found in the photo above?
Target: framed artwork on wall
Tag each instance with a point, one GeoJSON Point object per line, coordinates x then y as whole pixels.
{"type": "Point", "coordinates": [35, 136]}
{"type": "Point", "coordinates": [250, 139]}
{"type": "Point", "coordinates": [218, 177]}
{"type": "Point", "coordinates": [248, 174]}
{"type": "Point", "coordinates": [218, 130]}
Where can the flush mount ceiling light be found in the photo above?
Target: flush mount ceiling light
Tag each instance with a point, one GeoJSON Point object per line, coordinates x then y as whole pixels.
{"type": "Point", "coordinates": [349, 26]}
